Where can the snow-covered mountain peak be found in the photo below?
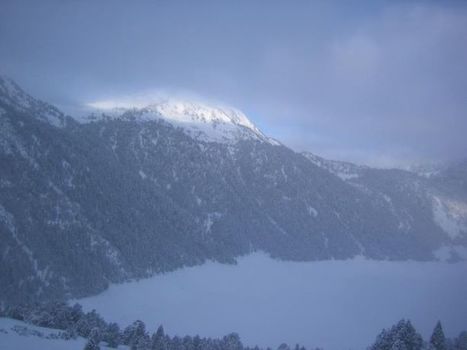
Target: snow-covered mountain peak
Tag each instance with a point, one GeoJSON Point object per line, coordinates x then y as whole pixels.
{"type": "Point", "coordinates": [190, 111]}
{"type": "Point", "coordinates": [206, 122]}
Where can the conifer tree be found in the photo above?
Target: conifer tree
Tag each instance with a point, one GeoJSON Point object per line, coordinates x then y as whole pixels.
{"type": "Point", "coordinates": [402, 336]}
{"type": "Point", "coordinates": [158, 341]}
{"type": "Point", "coordinates": [438, 340]}
{"type": "Point", "coordinates": [461, 341]}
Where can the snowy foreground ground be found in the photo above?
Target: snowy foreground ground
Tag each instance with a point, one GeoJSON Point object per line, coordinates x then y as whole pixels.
{"type": "Point", "coordinates": [17, 335]}
{"type": "Point", "coordinates": [336, 305]}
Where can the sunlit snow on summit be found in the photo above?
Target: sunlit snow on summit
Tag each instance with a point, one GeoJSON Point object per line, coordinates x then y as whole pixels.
{"type": "Point", "coordinates": [208, 121]}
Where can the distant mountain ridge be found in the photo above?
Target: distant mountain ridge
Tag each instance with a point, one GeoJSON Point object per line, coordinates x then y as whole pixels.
{"type": "Point", "coordinates": [134, 192]}
{"type": "Point", "coordinates": [444, 188]}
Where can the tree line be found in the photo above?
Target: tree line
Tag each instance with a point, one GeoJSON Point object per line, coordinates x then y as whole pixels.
{"type": "Point", "coordinates": [74, 322]}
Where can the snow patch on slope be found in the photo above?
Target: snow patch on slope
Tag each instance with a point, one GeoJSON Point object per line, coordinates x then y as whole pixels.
{"type": "Point", "coordinates": [451, 216]}
{"type": "Point", "coordinates": [311, 211]}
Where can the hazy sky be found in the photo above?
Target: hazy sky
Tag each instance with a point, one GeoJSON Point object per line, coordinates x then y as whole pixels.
{"type": "Point", "coordinates": [379, 82]}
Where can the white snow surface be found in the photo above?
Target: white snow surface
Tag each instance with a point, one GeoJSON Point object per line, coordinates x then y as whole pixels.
{"type": "Point", "coordinates": [330, 304]}
{"type": "Point", "coordinates": [451, 216]}
{"type": "Point", "coordinates": [205, 122]}
{"type": "Point", "coordinates": [18, 335]}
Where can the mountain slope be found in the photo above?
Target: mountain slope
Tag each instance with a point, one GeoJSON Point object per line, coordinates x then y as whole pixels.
{"type": "Point", "coordinates": [128, 193]}
{"type": "Point", "coordinates": [422, 204]}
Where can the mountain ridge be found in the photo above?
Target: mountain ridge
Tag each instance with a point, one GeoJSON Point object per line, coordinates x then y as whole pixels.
{"type": "Point", "coordinates": [83, 205]}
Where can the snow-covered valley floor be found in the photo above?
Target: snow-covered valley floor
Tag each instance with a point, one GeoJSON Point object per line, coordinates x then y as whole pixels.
{"type": "Point", "coordinates": [336, 305]}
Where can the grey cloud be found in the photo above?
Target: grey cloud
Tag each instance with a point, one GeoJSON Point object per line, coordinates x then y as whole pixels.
{"type": "Point", "coordinates": [373, 82]}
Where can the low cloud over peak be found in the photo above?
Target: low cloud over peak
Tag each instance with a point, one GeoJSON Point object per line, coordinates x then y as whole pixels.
{"type": "Point", "coordinates": [379, 83]}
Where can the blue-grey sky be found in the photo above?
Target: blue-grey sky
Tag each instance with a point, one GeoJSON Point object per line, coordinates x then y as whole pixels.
{"type": "Point", "coordinates": [377, 82]}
